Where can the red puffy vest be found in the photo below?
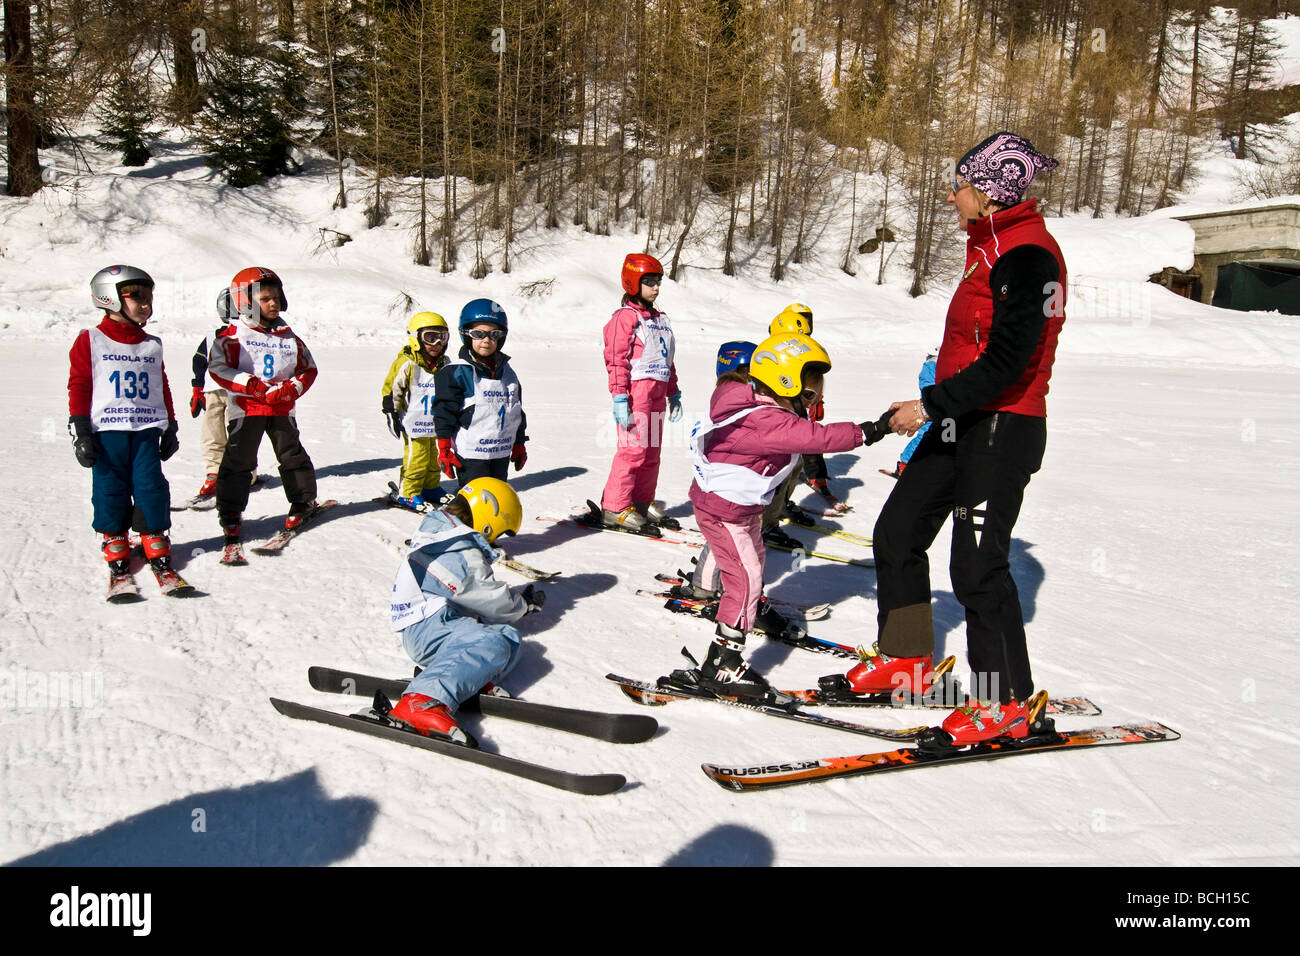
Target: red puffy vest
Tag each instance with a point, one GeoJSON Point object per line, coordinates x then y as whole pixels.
{"type": "Point", "coordinates": [970, 314]}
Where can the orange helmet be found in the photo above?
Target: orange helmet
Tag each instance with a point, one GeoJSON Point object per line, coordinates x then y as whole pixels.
{"type": "Point", "coordinates": [245, 286]}
{"type": "Point", "coordinates": [635, 267]}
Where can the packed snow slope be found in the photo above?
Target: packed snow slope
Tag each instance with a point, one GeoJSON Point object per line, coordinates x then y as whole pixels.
{"type": "Point", "coordinates": [1155, 555]}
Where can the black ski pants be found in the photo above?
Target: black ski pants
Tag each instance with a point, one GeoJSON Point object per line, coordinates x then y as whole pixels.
{"type": "Point", "coordinates": [235, 476]}
{"type": "Point", "coordinates": [976, 470]}
{"type": "Point", "coordinates": [481, 468]}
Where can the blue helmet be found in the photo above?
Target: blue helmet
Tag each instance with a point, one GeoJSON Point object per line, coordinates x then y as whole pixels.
{"type": "Point", "coordinates": [733, 355]}
{"type": "Point", "coordinates": [482, 310]}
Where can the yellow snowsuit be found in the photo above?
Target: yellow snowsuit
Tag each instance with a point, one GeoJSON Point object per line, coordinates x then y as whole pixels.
{"type": "Point", "coordinates": [419, 455]}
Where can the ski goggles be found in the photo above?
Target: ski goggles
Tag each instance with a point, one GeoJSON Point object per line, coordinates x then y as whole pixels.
{"type": "Point", "coordinates": [433, 336]}
{"type": "Point", "coordinates": [652, 279]}
{"type": "Point", "coordinates": [496, 335]}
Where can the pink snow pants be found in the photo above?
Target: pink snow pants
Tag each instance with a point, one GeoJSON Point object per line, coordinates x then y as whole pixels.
{"type": "Point", "coordinates": [738, 549]}
{"type": "Point", "coordinates": [635, 471]}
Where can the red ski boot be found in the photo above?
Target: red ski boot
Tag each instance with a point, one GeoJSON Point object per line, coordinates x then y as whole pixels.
{"type": "Point", "coordinates": [117, 552]}
{"type": "Point", "coordinates": [209, 486]}
{"type": "Point", "coordinates": [429, 717]}
{"type": "Point", "coordinates": [878, 673]}
{"type": "Point", "coordinates": [299, 514]}
{"type": "Point", "coordinates": [977, 721]}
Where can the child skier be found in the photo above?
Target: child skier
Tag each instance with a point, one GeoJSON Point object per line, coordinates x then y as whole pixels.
{"type": "Point", "coordinates": [408, 403]}
{"type": "Point", "coordinates": [266, 368]}
{"type": "Point", "coordinates": [639, 349]}
{"type": "Point", "coordinates": [454, 617]}
{"type": "Point", "coordinates": [208, 399]}
{"type": "Point", "coordinates": [123, 425]}
{"type": "Point", "coordinates": [478, 412]}
{"type": "Point", "coordinates": [797, 317]}
{"type": "Point", "coordinates": [755, 431]}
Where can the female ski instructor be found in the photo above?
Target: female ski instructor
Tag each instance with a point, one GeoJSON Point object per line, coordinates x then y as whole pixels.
{"type": "Point", "coordinates": [990, 430]}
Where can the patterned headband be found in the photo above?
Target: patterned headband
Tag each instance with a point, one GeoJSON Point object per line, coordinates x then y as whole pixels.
{"type": "Point", "coordinates": [1003, 166]}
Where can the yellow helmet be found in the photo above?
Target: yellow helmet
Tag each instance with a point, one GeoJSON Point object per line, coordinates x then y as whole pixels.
{"type": "Point", "coordinates": [424, 320]}
{"type": "Point", "coordinates": [781, 361]}
{"type": "Point", "coordinates": [493, 506]}
{"type": "Point", "coordinates": [795, 317]}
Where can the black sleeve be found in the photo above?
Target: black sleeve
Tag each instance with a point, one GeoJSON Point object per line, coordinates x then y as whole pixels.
{"type": "Point", "coordinates": [200, 363]}
{"type": "Point", "coordinates": [1021, 282]}
{"type": "Point", "coordinates": [449, 395]}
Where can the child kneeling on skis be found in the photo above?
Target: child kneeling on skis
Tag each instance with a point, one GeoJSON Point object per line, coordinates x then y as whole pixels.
{"type": "Point", "coordinates": [755, 431]}
{"type": "Point", "coordinates": [454, 617]}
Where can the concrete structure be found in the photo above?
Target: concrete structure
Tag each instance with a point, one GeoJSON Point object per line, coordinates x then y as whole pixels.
{"type": "Point", "coordinates": [1239, 235]}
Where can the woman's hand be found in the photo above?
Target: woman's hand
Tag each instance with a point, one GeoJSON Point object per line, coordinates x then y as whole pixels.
{"type": "Point", "coordinates": [908, 417]}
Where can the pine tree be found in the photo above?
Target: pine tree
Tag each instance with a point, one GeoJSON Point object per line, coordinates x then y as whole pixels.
{"type": "Point", "coordinates": [256, 96]}
{"type": "Point", "coordinates": [126, 112]}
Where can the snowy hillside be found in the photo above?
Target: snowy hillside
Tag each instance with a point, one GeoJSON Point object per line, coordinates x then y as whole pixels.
{"type": "Point", "coordinates": [1156, 557]}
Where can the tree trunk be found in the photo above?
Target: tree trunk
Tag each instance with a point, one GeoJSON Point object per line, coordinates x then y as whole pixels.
{"type": "Point", "coordinates": [284, 20]}
{"type": "Point", "coordinates": [341, 201]}
{"type": "Point", "coordinates": [20, 100]}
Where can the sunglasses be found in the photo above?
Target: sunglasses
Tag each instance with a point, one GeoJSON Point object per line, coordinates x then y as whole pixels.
{"type": "Point", "coordinates": [958, 184]}
{"type": "Point", "coordinates": [809, 396]}
{"type": "Point", "coordinates": [652, 280]}
{"type": "Point", "coordinates": [496, 335]}
{"type": "Point", "coordinates": [433, 336]}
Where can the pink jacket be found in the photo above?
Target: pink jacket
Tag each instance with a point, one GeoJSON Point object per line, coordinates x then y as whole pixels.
{"type": "Point", "coordinates": [622, 348]}
{"type": "Point", "coordinates": [763, 442]}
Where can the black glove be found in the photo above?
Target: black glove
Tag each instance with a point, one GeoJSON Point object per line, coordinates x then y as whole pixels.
{"type": "Point", "coordinates": [84, 444]}
{"type": "Point", "coordinates": [394, 420]}
{"type": "Point", "coordinates": [168, 444]}
{"type": "Point", "coordinates": [872, 432]}
{"type": "Point", "coordinates": [534, 597]}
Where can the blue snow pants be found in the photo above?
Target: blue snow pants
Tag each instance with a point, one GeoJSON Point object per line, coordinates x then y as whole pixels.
{"type": "Point", "coordinates": [128, 470]}
{"type": "Point", "coordinates": [459, 655]}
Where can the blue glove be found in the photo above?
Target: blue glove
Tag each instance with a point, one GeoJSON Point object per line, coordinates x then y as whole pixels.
{"type": "Point", "coordinates": [675, 406]}
{"type": "Point", "coordinates": [622, 414]}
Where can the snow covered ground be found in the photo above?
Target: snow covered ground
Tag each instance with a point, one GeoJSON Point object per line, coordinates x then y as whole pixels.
{"type": "Point", "coordinates": [1156, 557]}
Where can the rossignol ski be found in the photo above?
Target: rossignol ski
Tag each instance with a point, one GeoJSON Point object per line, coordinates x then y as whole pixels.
{"type": "Point", "coordinates": [790, 773]}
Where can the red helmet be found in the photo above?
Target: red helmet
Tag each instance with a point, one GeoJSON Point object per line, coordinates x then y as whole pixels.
{"type": "Point", "coordinates": [244, 289]}
{"type": "Point", "coordinates": [636, 266]}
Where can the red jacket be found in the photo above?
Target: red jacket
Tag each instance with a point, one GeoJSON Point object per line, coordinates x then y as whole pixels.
{"type": "Point", "coordinates": [80, 375]}
{"type": "Point", "coordinates": [227, 357]}
{"type": "Point", "coordinates": [970, 314]}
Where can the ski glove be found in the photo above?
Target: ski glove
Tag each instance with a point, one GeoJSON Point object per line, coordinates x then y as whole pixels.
{"type": "Point", "coordinates": [675, 406]}
{"type": "Point", "coordinates": [534, 597]}
{"type": "Point", "coordinates": [622, 414]}
{"type": "Point", "coordinates": [84, 444]}
{"type": "Point", "coordinates": [872, 432]}
{"type": "Point", "coordinates": [198, 403]}
{"type": "Point", "coordinates": [519, 456]}
{"type": "Point", "coordinates": [256, 388]}
{"type": "Point", "coordinates": [448, 460]}
{"type": "Point", "coordinates": [169, 443]}
{"type": "Point", "coordinates": [394, 420]}
{"type": "Point", "coordinates": [281, 394]}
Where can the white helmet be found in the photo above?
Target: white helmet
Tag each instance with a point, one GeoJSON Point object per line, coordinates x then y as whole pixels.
{"type": "Point", "coordinates": [106, 283]}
